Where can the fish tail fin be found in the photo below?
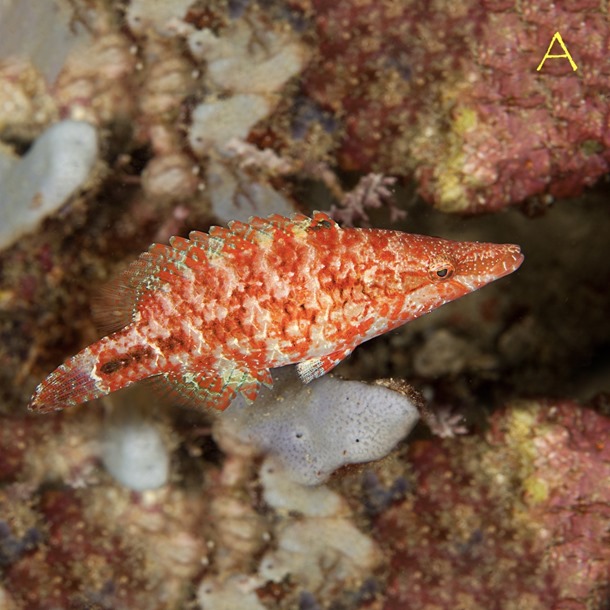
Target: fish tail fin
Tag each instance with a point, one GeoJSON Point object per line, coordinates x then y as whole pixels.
{"type": "Point", "coordinates": [112, 363]}
{"type": "Point", "coordinates": [68, 385]}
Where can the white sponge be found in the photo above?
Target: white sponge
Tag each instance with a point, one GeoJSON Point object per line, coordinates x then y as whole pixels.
{"type": "Point", "coordinates": [34, 187]}
{"type": "Point", "coordinates": [135, 454]}
{"type": "Point", "coordinates": [317, 428]}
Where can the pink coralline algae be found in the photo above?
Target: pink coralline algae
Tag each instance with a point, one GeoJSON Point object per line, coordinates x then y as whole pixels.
{"type": "Point", "coordinates": [451, 94]}
{"type": "Point", "coordinates": [520, 520]}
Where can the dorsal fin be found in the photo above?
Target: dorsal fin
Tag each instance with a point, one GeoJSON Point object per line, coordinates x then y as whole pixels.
{"type": "Point", "coordinates": [279, 222]}
{"type": "Point", "coordinates": [237, 227]}
{"type": "Point", "coordinates": [220, 232]}
{"type": "Point", "coordinates": [256, 230]}
{"type": "Point", "coordinates": [116, 305]}
{"type": "Point", "coordinates": [321, 220]}
{"type": "Point", "coordinates": [179, 243]}
{"type": "Point", "coordinates": [260, 230]}
{"type": "Point", "coordinates": [275, 223]}
{"type": "Point", "coordinates": [199, 237]}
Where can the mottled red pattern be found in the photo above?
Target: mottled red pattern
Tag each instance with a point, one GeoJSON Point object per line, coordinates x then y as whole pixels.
{"type": "Point", "coordinates": [212, 314]}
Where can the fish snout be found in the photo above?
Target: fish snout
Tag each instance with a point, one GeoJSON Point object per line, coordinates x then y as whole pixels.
{"type": "Point", "coordinates": [483, 263]}
{"type": "Point", "coordinates": [509, 259]}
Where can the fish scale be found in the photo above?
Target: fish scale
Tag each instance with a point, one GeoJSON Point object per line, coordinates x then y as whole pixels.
{"type": "Point", "coordinates": [211, 314]}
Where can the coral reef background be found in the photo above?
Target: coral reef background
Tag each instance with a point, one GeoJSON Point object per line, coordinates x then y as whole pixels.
{"type": "Point", "coordinates": [393, 114]}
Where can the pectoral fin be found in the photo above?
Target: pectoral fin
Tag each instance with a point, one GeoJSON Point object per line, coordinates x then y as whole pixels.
{"type": "Point", "coordinates": [313, 368]}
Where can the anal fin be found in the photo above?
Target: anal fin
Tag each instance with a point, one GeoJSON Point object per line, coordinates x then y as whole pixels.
{"type": "Point", "coordinates": [202, 391]}
{"type": "Point", "coordinates": [313, 368]}
{"type": "Point", "coordinates": [216, 390]}
{"type": "Point", "coordinates": [264, 377]}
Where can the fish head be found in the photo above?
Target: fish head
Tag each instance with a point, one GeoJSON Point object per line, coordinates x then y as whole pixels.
{"type": "Point", "coordinates": [440, 270]}
{"type": "Point", "coordinates": [468, 266]}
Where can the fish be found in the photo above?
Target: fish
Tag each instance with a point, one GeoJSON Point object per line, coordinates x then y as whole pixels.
{"type": "Point", "coordinates": [209, 316]}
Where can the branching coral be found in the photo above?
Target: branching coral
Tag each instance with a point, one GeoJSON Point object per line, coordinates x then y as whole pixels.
{"type": "Point", "coordinates": [372, 191]}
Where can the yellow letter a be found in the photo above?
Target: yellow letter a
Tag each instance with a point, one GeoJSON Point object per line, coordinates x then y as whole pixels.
{"type": "Point", "coordinates": [566, 53]}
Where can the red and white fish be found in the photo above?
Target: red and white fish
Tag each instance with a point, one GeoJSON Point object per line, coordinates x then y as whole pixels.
{"type": "Point", "coordinates": [210, 315]}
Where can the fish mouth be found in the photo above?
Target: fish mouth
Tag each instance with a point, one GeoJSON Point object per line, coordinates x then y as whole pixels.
{"type": "Point", "coordinates": [509, 260]}
{"type": "Point", "coordinates": [497, 261]}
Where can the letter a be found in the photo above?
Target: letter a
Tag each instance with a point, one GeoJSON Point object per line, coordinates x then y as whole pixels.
{"type": "Point", "coordinates": [566, 53]}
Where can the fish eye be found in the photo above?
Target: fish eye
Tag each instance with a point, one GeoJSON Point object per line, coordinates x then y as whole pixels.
{"type": "Point", "coordinates": [441, 271]}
